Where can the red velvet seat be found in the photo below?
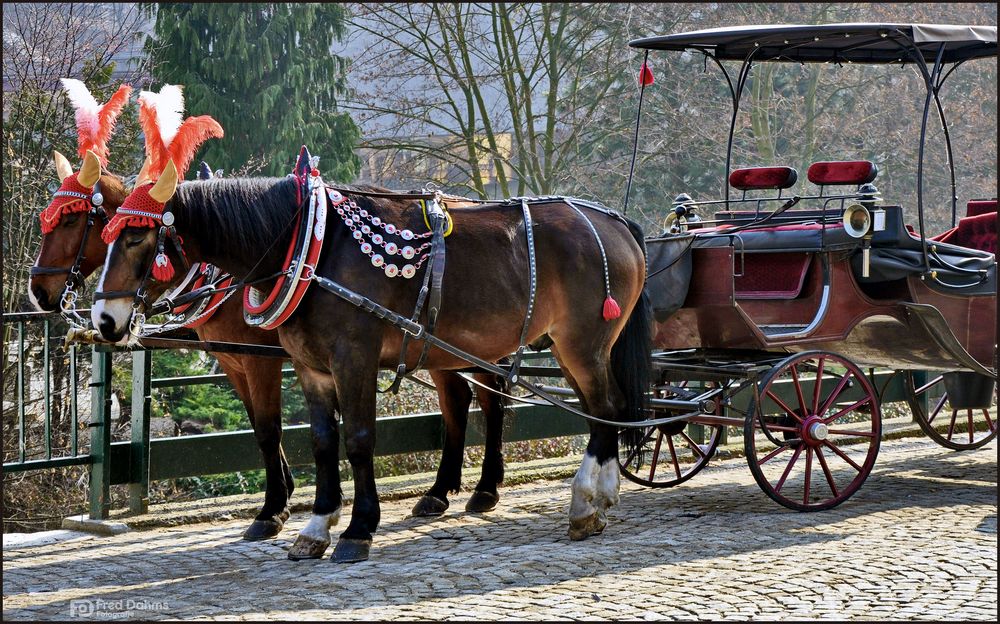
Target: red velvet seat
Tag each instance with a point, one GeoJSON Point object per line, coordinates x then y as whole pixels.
{"type": "Point", "coordinates": [976, 232]}
{"type": "Point", "coordinates": [842, 172]}
{"type": "Point", "coordinates": [981, 206]}
{"type": "Point", "coordinates": [757, 178]}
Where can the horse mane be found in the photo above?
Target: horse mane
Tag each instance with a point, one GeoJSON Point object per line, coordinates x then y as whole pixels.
{"type": "Point", "coordinates": [237, 215]}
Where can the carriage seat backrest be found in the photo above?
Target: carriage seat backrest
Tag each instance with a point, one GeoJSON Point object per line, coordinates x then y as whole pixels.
{"type": "Point", "coordinates": [760, 178]}
{"type": "Point", "coordinates": [981, 206]}
{"type": "Point", "coordinates": [976, 232]}
{"type": "Point", "coordinates": [853, 172]}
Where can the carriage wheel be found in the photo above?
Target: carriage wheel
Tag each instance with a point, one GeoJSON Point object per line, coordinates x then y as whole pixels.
{"type": "Point", "coordinates": [669, 454]}
{"type": "Point", "coordinates": [962, 429]}
{"type": "Point", "coordinates": [811, 445]}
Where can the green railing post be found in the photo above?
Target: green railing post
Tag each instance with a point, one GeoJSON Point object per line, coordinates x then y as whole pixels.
{"type": "Point", "coordinates": [138, 488]}
{"type": "Point", "coordinates": [100, 435]}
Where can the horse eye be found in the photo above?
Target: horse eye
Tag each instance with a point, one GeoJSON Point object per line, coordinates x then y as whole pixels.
{"type": "Point", "coordinates": [69, 220]}
{"type": "Point", "coordinates": [135, 241]}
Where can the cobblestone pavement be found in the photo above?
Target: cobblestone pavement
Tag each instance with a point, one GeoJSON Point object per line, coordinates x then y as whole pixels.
{"type": "Point", "coordinates": [918, 541]}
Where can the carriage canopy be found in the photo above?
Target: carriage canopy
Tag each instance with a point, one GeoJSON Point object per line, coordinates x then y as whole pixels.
{"type": "Point", "coordinates": [852, 43]}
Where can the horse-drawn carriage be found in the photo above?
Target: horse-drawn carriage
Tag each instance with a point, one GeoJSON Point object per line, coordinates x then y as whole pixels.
{"type": "Point", "coordinates": [757, 312]}
{"type": "Point", "coordinates": [789, 293]}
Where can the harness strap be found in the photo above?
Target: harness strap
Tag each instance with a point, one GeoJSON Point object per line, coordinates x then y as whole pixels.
{"type": "Point", "coordinates": [529, 235]}
{"type": "Point", "coordinates": [600, 245]}
{"type": "Point", "coordinates": [433, 280]}
{"type": "Point", "coordinates": [419, 333]}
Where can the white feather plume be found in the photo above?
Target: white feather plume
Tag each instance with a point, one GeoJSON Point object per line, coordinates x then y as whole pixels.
{"type": "Point", "coordinates": [86, 106]}
{"type": "Point", "coordinates": [169, 105]}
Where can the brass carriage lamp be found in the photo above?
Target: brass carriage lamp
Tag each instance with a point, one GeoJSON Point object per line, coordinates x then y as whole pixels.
{"type": "Point", "coordinates": [681, 215]}
{"type": "Point", "coordinates": [862, 220]}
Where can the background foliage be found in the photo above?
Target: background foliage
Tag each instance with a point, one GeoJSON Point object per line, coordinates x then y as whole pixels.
{"type": "Point", "coordinates": [265, 72]}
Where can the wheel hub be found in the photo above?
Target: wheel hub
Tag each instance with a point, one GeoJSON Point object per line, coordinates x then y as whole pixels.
{"type": "Point", "coordinates": [814, 430]}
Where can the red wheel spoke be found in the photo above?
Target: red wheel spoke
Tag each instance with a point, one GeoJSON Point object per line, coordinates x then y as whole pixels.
{"type": "Point", "coordinates": [830, 400]}
{"type": "Point", "coordinates": [694, 445]}
{"type": "Point", "coordinates": [972, 427]}
{"type": "Point", "coordinates": [656, 457]}
{"type": "Point", "coordinates": [782, 405]}
{"type": "Point", "coordinates": [849, 408]}
{"type": "Point", "coordinates": [927, 385]}
{"type": "Point", "coordinates": [788, 469]}
{"type": "Point", "coordinates": [673, 456]}
{"type": "Point", "coordinates": [863, 434]}
{"type": "Point", "coordinates": [819, 385]}
{"type": "Point", "coordinates": [989, 423]}
{"type": "Point", "coordinates": [951, 426]}
{"type": "Point", "coordinates": [782, 428]}
{"type": "Point", "coordinates": [798, 390]}
{"type": "Point", "coordinates": [772, 454]}
{"type": "Point", "coordinates": [937, 408]}
{"type": "Point", "coordinates": [826, 471]}
{"type": "Point", "coordinates": [638, 448]}
{"type": "Point", "coordinates": [809, 463]}
{"type": "Point", "coordinates": [842, 455]}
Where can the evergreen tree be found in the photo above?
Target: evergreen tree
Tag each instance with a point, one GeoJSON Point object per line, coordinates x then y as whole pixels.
{"type": "Point", "coordinates": [265, 72]}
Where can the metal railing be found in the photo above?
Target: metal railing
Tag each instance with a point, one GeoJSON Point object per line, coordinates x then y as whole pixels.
{"type": "Point", "coordinates": [19, 350]}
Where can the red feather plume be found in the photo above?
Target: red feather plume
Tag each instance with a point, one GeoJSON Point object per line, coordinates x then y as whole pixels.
{"type": "Point", "coordinates": [106, 119]}
{"type": "Point", "coordinates": [183, 139]}
{"type": "Point", "coordinates": [156, 151]}
{"type": "Point", "coordinates": [192, 133]}
{"type": "Point", "coordinates": [94, 122]}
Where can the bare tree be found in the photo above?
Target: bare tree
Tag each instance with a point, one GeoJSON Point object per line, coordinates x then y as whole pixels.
{"type": "Point", "coordinates": [504, 91]}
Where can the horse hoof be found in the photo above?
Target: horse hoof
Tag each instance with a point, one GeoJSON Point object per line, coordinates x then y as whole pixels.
{"type": "Point", "coordinates": [429, 506]}
{"type": "Point", "coordinates": [307, 548]}
{"type": "Point", "coordinates": [582, 528]}
{"type": "Point", "coordinates": [262, 530]}
{"type": "Point", "coordinates": [351, 550]}
{"type": "Point", "coordinates": [481, 502]}
{"type": "Point", "coordinates": [283, 515]}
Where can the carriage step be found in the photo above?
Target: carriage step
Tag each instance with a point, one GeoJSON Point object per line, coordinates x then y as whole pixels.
{"type": "Point", "coordinates": [774, 330]}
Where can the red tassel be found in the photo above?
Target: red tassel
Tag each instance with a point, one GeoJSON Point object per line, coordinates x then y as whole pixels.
{"type": "Point", "coordinates": [163, 269]}
{"type": "Point", "coordinates": [611, 309]}
{"type": "Point", "coordinates": [645, 75]}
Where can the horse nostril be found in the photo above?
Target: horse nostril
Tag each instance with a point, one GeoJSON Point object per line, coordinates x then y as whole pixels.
{"type": "Point", "coordinates": [106, 326]}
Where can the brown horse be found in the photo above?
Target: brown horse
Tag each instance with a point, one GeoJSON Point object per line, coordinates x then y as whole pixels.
{"type": "Point", "coordinates": [241, 225]}
{"type": "Point", "coordinates": [71, 251]}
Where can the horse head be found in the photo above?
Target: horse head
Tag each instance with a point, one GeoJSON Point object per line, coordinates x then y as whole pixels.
{"type": "Point", "coordinates": [72, 248]}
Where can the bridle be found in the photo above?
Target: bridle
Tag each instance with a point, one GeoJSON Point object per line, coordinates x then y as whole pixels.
{"type": "Point", "coordinates": [166, 232]}
{"type": "Point", "coordinates": [69, 297]}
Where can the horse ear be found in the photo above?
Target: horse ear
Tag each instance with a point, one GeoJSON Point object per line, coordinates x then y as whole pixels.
{"type": "Point", "coordinates": [302, 164]}
{"type": "Point", "coordinates": [63, 168]}
{"type": "Point", "coordinates": [165, 187]}
{"type": "Point", "coordinates": [143, 176]}
{"type": "Point", "coordinates": [204, 171]}
{"type": "Point", "coordinates": [90, 172]}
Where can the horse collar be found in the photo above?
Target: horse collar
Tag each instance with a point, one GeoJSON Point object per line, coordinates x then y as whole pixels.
{"type": "Point", "coordinates": [268, 312]}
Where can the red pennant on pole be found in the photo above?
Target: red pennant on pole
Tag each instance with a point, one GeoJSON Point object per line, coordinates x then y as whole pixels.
{"type": "Point", "coordinates": [645, 75]}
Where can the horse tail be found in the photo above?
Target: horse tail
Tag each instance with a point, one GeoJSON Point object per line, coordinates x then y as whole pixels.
{"type": "Point", "coordinates": [631, 363]}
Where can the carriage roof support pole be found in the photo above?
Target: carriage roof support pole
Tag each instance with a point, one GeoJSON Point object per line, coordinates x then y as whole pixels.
{"type": "Point", "coordinates": [930, 79]}
{"type": "Point", "coordinates": [737, 94]}
{"type": "Point", "coordinates": [635, 139]}
{"type": "Point", "coordinates": [947, 141]}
